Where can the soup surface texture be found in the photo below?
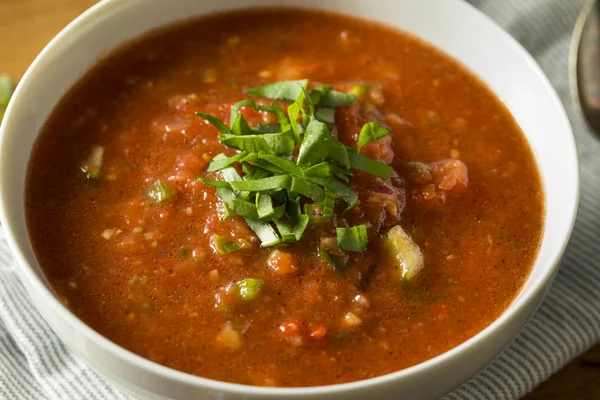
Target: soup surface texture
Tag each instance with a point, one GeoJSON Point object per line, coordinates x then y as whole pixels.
{"type": "Point", "coordinates": [142, 250]}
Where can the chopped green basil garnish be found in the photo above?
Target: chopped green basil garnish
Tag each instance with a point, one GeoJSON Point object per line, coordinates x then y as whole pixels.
{"type": "Point", "coordinates": [322, 169]}
{"type": "Point", "coordinates": [327, 204]}
{"type": "Point", "coordinates": [265, 232]}
{"type": "Point", "coordinates": [245, 208]}
{"type": "Point", "coordinates": [295, 110]}
{"type": "Point", "coordinates": [336, 262]}
{"type": "Point", "coordinates": [369, 165]}
{"type": "Point", "coordinates": [216, 122]}
{"type": "Point", "coordinates": [284, 90]}
{"type": "Point", "coordinates": [286, 232]}
{"type": "Point", "coordinates": [267, 128]}
{"type": "Point", "coordinates": [224, 245]}
{"type": "Point", "coordinates": [322, 95]}
{"type": "Point", "coordinates": [259, 143]}
{"type": "Point", "coordinates": [160, 192]}
{"type": "Point", "coordinates": [334, 98]}
{"type": "Point", "coordinates": [318, 144]}
{"type": "Point", "coordinates": [249, 289]}
{"type": "Point", "coordinates": [326, 115]}
{"type": "Point", "coordinates": [236, 107]}
{"type": "Point", "coordinates": [370, 132]}
{"type": "Point", "coordinates": [340, 173]}
{"type": "Point", "coordinates": [264, 206]}
{"type": "Point", "coordinates": [221, 161]}
{"type": "Point", "coordinates": [295, 160]}
{"type": "Point", "coordinates": [352, 239]}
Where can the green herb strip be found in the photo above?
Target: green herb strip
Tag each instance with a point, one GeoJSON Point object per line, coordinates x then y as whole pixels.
{"type": "Point", "coordinates": [370, 132]}
{"type": "Point", "coordinates": [369, 165]}
{"type": "Point", "coordinates": [265, 232]}
{"type": "Point", "coordinates": [216, 122]}
{"type": "Point", "coordinates": [352, 239]}
{"type": "Point", "coordinates": [284, 90]}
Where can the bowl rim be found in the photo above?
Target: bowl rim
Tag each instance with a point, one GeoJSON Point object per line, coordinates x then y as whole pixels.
{"type": "Point", "coordinates": [524, 298]}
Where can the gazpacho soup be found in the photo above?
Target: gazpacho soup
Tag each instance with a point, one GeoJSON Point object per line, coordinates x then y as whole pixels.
{"type": "Point", "coordinates": [281, 197]}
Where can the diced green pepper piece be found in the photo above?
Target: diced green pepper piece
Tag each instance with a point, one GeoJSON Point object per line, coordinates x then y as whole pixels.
{"type": "Point", "coordinates": [337, 262]}
{"type": "Point", "coordinates": [160, 193]}
{"type": "Point", "coordinates": [224, 245]}
{"type": "Point", "coordinates": [249, 289]}
{"type": "Point", "coordinates": [353, 238]}
{"type": "Point", "coordinates": [359, 91]}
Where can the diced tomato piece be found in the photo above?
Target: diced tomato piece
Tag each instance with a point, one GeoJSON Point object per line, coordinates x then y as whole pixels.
{"type": "Point", "coordinates": [282, 262]}
{"type": "Point", "coordinates": [429, 192]}
{"type": "Point", "coordinates": [318, 332]}
{"type": "Point", "coordinates": [420, 172]}
{"type": "Point", "coordinates": [349, 122]}
{"type": "Point", "coordinates": [290, 331]}
{"type": "Point", "coordinates": [380, 150]}
{"type": "Point", "coordinates": [449, 173]}
{"type": "Point", "coordinates": [439, 178]}
{"type": "Point", "coordinates": [288, 328]}
{"type": "Point", "coordinates": [254, 117]}
{"type": "Point", "coordinates": [229, 338]}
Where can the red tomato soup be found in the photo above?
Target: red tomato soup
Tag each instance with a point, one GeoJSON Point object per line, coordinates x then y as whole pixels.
{"type": "Point", "coordinates": [371, 204]}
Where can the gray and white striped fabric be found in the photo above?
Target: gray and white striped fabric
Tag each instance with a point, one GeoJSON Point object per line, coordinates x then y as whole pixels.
{"type": "Point", "coordinates": [34, 364]}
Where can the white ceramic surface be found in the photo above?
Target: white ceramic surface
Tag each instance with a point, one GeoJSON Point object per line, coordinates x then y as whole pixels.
{"type": "Point", "coordinates": [451, 25]}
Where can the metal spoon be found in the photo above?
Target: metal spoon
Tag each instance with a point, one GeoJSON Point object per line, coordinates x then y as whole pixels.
{"type": "Point", "coordinates": [584, 64]}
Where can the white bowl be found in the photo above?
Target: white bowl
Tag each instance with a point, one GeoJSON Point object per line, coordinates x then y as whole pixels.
{"type": "Point", "coordinates": [451, 25]}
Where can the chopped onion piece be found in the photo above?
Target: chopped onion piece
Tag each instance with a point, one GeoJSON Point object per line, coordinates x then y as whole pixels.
{"type": "Point", "coordinates": [107, 233]}
{"type": "Point", "coordinates": [228, 337]}
{"type": "Point", "coordinates": [352, 320]}
{"type": "Point", "coordinates": [406, 252]}
{"type": "Point", "coordinates": [91, 167]}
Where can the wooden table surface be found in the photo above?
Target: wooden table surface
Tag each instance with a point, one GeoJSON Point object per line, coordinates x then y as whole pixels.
{"type": "Point", "coordinates": [28, 25]}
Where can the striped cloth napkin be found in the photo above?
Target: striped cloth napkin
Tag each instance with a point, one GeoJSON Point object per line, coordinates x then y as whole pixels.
{"type": "Point", "coordinates": [34, 364]}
